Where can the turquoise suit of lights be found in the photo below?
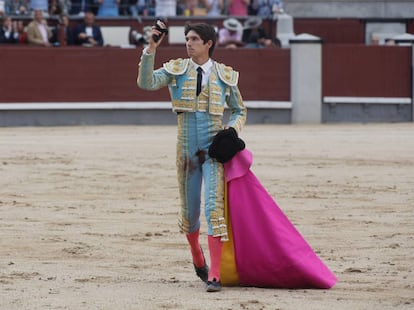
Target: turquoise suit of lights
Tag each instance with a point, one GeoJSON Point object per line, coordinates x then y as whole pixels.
{"type": "Point", "coordinates": [199, 118]}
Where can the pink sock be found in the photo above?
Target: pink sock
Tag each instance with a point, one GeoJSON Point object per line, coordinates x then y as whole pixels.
{"type": "Point", "coordinates": [198, 257]}
{"type": "Point", "coordinates": [215, 245]}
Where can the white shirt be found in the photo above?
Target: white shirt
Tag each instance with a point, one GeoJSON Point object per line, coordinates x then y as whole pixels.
{"type": "Point", "coordinates": [89, 31]}
{"type": "Point", "coordinates": [207, 68]}
{"type": "Point", "coordinates": [43, 32]}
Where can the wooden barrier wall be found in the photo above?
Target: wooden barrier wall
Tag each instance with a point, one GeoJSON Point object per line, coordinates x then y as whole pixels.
{"type": "Point", "coordinates": [366, 71]}
{"type": "Point", "coordinates": [78, 74]}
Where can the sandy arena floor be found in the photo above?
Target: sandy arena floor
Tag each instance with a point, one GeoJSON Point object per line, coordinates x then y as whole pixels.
{"type": "Point", "coordinates": [88, 217]}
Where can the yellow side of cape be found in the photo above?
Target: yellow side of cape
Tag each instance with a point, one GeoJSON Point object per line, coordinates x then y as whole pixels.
{"type": "Point", "coordinates": [228, 270]}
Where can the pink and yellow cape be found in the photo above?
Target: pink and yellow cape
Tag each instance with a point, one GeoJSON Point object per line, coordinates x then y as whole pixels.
{"type": "Point", "coordinates": [264, 248]}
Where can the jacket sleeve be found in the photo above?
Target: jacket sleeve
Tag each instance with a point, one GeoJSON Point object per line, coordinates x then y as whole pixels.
{"type": "Point", "coordinates": [31, 35]}
{"type": "Point", "coordinates": [76, 33]}
{"type": "Point", "coordinates": [234, 100]}
{"type": "Point", "coordinates": [238, 112]}
{"type": "Point", "coordinates": [99, 37]}
{"type": "Point", "coordinates": [149, 79]}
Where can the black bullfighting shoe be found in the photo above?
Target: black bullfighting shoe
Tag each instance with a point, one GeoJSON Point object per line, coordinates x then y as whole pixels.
{"type": "Point", "coordinates": [202, 272]}
{"type": "Point", "coordinates": [213, 286]}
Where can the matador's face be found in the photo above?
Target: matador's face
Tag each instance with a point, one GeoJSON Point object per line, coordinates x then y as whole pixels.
{"type": "Point", "coordinates": [196, 48]}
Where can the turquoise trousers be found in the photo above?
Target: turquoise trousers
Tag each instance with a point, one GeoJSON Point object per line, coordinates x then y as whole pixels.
{"type": "Point", "coordinates": [196, 131]}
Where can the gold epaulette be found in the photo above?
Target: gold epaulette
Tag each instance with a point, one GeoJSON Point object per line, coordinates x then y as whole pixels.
{"type": "Point", "coordinates": [176, 66]}
{"type": "Point", "coordinates": [227, 74]}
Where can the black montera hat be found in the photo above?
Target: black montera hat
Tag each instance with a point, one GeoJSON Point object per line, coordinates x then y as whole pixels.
{"type": "Point", "coordinates": [226, 144]}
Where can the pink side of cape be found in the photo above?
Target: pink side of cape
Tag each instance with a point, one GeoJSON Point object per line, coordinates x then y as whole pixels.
{"type": "Point", "coordinates": [269, 250]}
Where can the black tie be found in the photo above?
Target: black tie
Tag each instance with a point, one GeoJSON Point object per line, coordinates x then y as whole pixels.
{"type": "Point", "coordinates": [199, 79]}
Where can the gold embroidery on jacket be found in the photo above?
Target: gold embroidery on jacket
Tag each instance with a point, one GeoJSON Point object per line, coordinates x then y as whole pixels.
{"type": "Point", "coordinates": [211, 97]}
{"type": "Point", "coordinates": [176, 66]}
{"type": "Point", "coordinates": [227, 74]}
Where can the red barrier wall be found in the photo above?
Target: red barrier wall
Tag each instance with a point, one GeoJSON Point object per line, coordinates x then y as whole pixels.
{"type": "Point", "coordinates": [366, 71]}
{"type": "Point", "coordinates": [78, 74]}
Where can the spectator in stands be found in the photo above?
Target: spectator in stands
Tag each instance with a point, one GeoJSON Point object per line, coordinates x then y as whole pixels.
{"type": "Point", "coordinates": [213, 7]}
{"type": "Point", "coordinates": [254, 35]}
{"type": "Point", "coordinates": [108, 8]}
{"type": "Point", "coordinates": [268, 8]}
{"type": "Point", "coordinates": [63, 34]}
{"type": "Point", "coordinates": [22, 32]}
{"type": "Point", "coordinates": [237, 7]}
{"type": "Point", "coordinates": [8, 31]}
{"type": "Point", "coordinates": [88, 33]}
{"type": "Point", "coordinates": [38, 31]}
{"type": "Point", "coordinates": [230, 36]}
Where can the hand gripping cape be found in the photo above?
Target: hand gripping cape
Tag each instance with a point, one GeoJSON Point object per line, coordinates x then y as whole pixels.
{"type": "Point", "coordinates": [264, 248]}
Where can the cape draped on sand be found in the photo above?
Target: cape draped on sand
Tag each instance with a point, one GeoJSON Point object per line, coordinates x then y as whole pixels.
{"type": "Point", "coordinates": [264, 247]}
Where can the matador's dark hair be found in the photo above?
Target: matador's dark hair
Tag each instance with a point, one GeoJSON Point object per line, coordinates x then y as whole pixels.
{"type": "Point", "coordinates": [205, 31]}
